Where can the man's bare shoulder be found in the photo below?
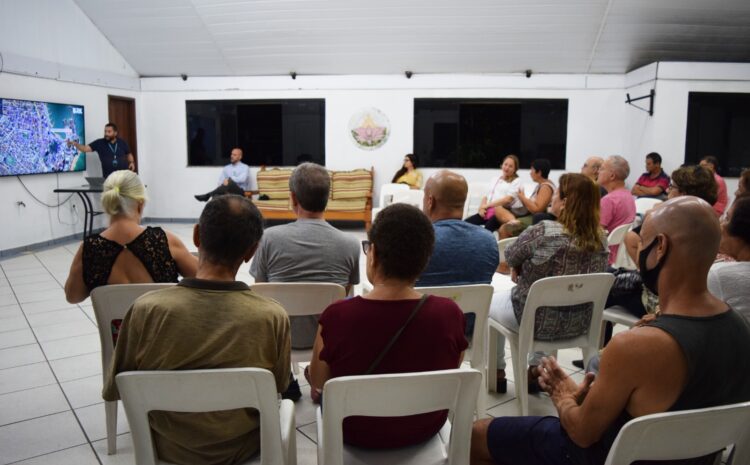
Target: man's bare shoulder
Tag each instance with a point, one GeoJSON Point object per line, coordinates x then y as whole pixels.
{"type": "Point", "coordinates": [642, 344]}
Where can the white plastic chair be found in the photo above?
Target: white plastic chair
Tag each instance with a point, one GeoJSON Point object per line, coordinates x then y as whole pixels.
{"type": "Point", "coordinates": [395, 395]}
{"type": "Point", "coordinates": [476, 299]}
{"type": "Point", "coordinates": [396, 193]}
{"type": "Point", "coordinates": [387, 192]}
{"type": "Point", "coordinates": [413, 197]}
{"type": "Point", "coordinates": [617, 315]}
{"type": "Point", "coordinates": [209, 391]}
{"type": "Point", "coordinates": [617, 237]}
{"type": "Point", "coordinates": [683, 435]}
{"type": "Point", "coordinates": [556, 291]}
{"type": "Point", "coordinates": [301, 299]}
{"type": "Point", "coordinates": [477, 190]}
{"type": "Point", "coordinates": [503, 244]}
{"type": "Point", "coordinates": [644, 204]}
{"type": "Point", "coordinates": [112, 303]}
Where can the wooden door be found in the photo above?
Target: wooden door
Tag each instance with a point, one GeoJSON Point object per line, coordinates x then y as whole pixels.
{"type": "Point", "coordinates": [122, 113]}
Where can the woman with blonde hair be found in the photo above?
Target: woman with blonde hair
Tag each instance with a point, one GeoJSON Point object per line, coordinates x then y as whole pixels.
{"type": "Point", "coordinates": [126, 252]}
{"type": "Point", "coordinates": [574, 244]}
{"type": "Point", "coordinates": [501, 204]}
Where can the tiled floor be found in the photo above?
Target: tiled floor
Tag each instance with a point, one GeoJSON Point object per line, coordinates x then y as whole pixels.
{"type": "Point", "coordinates": [51, 411]}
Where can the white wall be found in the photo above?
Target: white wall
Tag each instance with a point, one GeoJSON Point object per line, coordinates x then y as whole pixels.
{"type": "Point", "coordinates": [599, 123]}
{"type": "Point", "coordinates": [596, 118]}
{"type": "Point", "coordinates": [36, 223]}
{"type": "Point", "coordinates": [666, 131]}
{"type": "Point", "coordinates": [51, 51]}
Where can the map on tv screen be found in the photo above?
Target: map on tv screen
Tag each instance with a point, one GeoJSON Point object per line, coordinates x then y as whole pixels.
{"type": "Point", "coordinates": [34, 135]}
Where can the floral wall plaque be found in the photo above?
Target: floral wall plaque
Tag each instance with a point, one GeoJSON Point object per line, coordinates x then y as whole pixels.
{"type": "Point", "coordinates": [369, 129]}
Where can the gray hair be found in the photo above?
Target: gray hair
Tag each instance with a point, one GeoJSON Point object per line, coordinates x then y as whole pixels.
{"type": "Point", "coordinates": [620, 167]}
{"type": "Point", "coordinates": [311, 184]}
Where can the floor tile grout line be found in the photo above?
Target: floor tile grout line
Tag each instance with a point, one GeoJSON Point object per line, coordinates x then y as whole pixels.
{"type": "Point", "coordinates": [35, 418]}
{"type": "Point", "coordinates": [20, 366]}
{"type": "Point", "coordinates": [53, 360]}
{"type": "Point", "coordinates": [48, 453]}
{"type": "Point", "coordinates": [96, 325]}
{"type": "Point", "coordinates": [314, 441]}
{"type": "Point", "coordinates": [67, 337]}
{"type": "Point", "coordinates": [54, 375]}
{"type": "Point", "coordinates": [29, 388]}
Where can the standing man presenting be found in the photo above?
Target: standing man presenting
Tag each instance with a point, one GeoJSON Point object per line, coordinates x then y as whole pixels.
{"type": "Point", "coordinates": [114, 152]}
{"type": "Point", "coordinates": [235, 178]}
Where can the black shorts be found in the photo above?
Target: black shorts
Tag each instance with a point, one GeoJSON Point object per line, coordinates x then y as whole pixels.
{"type": "Point", "coordinates": [530, 441]}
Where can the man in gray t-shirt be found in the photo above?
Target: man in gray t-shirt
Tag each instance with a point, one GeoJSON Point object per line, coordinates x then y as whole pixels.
{"type": "Point", "coordinates": [308, 250]}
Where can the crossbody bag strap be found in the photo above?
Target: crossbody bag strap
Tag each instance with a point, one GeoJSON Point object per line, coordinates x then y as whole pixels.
{"type": "Point", "coordinates": [395, 337]}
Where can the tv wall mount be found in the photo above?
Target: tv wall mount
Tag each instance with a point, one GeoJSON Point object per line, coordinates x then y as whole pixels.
{"type": "Point", "coordinates": [650, 97]}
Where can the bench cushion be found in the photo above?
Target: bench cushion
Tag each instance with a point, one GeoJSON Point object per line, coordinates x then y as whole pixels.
{"type": "Point", "coordinates": [274, 183]}
{"type": "Point", "coordinates": [356, 184]}
{"type": "Point", "coordinates": [278, 205]}
{"type": "Point", "coordinates": [347, 205]}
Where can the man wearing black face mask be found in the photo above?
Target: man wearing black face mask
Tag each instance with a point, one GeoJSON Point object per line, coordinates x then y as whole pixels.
{"type": "Point", "coordinates": [676, 361]}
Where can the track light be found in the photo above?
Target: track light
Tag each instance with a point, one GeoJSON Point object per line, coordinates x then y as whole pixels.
{"type": "Point", "coordinates": [408, 74]}
{"type": "Point", "coordinates": [293, 74]}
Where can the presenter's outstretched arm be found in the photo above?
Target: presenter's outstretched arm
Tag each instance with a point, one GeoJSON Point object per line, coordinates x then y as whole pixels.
{"type": "Point", "coordinates": [80, 147]}
{"type": "Point", "coordinates": [131, 162]}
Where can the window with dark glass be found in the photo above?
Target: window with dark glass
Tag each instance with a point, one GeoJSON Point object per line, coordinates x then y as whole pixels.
{"type": "Point", "coordinates": [719, 125]}
{"type": "Point", "coordinates": [269, 132]}
{"type": "Point", "coordinates": [478, 133]}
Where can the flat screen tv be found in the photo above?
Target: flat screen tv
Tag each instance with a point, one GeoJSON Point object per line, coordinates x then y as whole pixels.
{"type": "Point", "coordinates": [34, 135]}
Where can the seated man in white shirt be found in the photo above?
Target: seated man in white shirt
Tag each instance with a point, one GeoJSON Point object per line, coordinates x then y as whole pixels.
{"type": "Point", "coordinates": [235, 178]}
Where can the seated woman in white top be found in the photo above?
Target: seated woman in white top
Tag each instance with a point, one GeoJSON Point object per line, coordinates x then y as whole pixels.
{"type": "Point", "coordinates": [730, 281]}
{"type": "Point", "coordinates": [537, 202]}
{"type": "Point", "coordinates": [501, 204]}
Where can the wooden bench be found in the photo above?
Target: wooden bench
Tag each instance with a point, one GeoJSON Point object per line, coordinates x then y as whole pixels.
{"type": "Point", "coordinates": [350, 198]}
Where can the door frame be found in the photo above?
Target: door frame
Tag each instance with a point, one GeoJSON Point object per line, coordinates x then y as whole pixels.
{"type": "Point", "coordinates": [134, 143]}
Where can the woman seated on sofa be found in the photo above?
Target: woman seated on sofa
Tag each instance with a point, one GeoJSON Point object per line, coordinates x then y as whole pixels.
{"type": "Point", "coordinates": [126, 252]}
{"type": "Point", "coordinates": [409, 174]}
{"type": "Point", "coordinates": [574, 244]}
{"type": "Point", "coordinates": [538, 202]}
{"type": "Point", "coordinates": [353, 333]}
{"type": "Point", "coordinates": [501, 204]}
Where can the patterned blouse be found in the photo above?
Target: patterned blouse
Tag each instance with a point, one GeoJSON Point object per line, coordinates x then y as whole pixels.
{"type": "Point", "coordinates": [544, 250]}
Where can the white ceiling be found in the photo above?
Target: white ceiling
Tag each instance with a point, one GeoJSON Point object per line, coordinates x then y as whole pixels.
{"type": "Point", "coordinates": [273, 37]}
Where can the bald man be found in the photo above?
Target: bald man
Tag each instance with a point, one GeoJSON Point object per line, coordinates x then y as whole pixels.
{"type": "Point", "coordinates": [464, 253]}
{"type": "Point", "coordinates": [695, 354]}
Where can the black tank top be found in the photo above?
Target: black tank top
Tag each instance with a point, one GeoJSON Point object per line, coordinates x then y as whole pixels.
{"type": "Point", "coordinates": [717, 351]}
{"type": "Point", "coordinates": [150, 247]}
